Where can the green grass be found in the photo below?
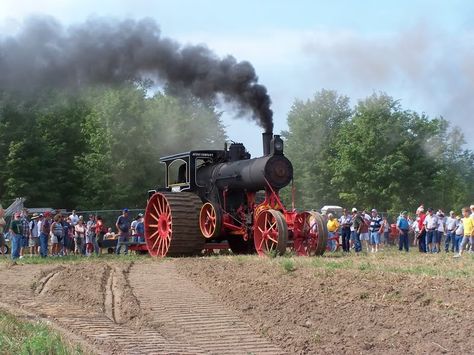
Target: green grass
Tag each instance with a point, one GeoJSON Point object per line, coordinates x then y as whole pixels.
{"type": "Point", "coordinates": [288, 264]}
{"type": "Point", "coordinates": [27, 337]}
{"type": "Point", "coordinates": [70, 259]}
{"type": "Point", "coordinates": [392, 261]}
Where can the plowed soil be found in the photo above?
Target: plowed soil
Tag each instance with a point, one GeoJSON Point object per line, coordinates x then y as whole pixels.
{"type": "Point", "coordinates": [244, 305]}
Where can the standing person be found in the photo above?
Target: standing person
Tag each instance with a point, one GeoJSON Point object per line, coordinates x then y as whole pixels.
{"type": "Point", "coordinates": [140, 229]}
{"type": "Point", "coordinates": [468, 223]}
{"type": "Point", "coordinates": [90, 236]}
{"type": "Point", "coordinates": [34, 235]}
{"type": "Point", "coordinates": [451, 226]}
{"type": "Point", "coordinates": [364, 231]}
{"type": "Point", "coordinates": [25, 232]}
{"type": "Point", "coordinates": [15, 235]}
{"type": "Point", "coordinates": [74, 218]}
{"type": "Point", "coordinates": [67, 236]}
{"type": "Point", "coordinates": [79, 236]}
{"type": "Point", "coordinates": [56, 235]}
{"type": "Point", "coordinates": [123, 229]}
{"type": "Point", "coordinates": [420, 212]}
{"type": "Point", "coordinates": [346, 222]}
{"type": "Point", "coordinates": [385, 229]}
{"type": "Point", "coordinates": [431, 226]}
{"type": "Point", "coordinates": [357, 223]}
{"type": "Point", "coordinates": [459, 234]}
{"type": "Point", "coordinates": [375, 230]}
{"type": "Point", "coordinates": [333, 227]}
{"type": "Point", "coordinates": [44, 233]}
{"type": "Point", "coordinates": [441, 231]}
{"type": "Point", "coordinates": [3, 223]}
{"type": "Point", "coordinates": [353, 231]}
{"type": "Point", "coordinates": [133, 229]}
{"type": "Point", "coordinates": [403, 226]}
{"type": "Point", "coordinates": [99, 234]}
{"type": "Point", "coordinates": [416, 230]}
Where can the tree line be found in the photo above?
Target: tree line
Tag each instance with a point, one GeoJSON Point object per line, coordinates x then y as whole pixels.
{"type": "Point", "coordinates": [99, 148]}
{"type": "Point", "coordinates": [375, 155]}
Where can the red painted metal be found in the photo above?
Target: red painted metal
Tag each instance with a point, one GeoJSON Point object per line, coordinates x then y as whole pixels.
{"type": "Point", "coordinates": [159, 222]}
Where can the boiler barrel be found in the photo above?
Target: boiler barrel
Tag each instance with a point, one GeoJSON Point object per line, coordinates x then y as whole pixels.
{"type": "Point", "coordinates": [249, 174]}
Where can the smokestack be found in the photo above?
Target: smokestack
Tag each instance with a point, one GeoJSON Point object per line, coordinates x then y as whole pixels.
{"type": "Point", "coordinates": [266, 138]}
{"type": "Point", "coordinates": [44, 54]}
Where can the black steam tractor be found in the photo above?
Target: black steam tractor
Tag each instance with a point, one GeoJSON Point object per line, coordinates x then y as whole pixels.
{"type": "Point", "coordinates": [218, 196]}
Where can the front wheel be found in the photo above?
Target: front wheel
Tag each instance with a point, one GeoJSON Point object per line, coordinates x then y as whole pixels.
{"type": "Point", "coordinates": [270, 233]}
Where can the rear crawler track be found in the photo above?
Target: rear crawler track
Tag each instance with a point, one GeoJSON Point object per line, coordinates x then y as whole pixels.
{"type": "Point", "coordinates": [172, 224]}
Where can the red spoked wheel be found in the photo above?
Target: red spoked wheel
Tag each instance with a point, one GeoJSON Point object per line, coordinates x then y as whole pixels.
{"type": "Point", "coordinates": [310, 234]}
{"type": "Point", "coordinates": [159, 224]}
{"type": "Point", "coordinates": [171, 224]}
{"type": "Point", "coordinates": [270, 233]}
{"type": "Point", "coordinates": [210, 220]}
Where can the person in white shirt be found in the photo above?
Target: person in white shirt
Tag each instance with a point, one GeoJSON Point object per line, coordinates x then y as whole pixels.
{"type": "Point", "coordinates": [441, 230]}
{"type": "Point", "coordinates": [34, 235]}
{"type": "Point", "coordinates": [451, 226]}
{"type": "Point", "coordinates": [74, 218]}
{"type": "Point", "coordinates": [459, 234]}
{"type": "Point", "coordinates": [431, 226]}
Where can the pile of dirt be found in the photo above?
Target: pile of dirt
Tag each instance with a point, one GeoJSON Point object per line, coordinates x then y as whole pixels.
{"type": "Point", "coordinates": [313, 310]}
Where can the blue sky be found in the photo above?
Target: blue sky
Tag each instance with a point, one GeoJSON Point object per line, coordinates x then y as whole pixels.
{"type": "Point", "coordinates": [421, 52]}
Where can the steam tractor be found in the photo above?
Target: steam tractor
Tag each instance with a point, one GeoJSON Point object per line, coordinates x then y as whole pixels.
{"type": "Point", "coordinates": [218, 196]}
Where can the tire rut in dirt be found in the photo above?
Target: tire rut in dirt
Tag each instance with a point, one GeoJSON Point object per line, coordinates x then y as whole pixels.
{"type": "Point", "coordinates": [125, 333]}
{"type": "Point", "coordinates": [189, 314]}
{"type": "Point", "coordinates": [43, 285]}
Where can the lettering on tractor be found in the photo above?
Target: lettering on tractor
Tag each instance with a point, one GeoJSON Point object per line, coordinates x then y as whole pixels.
{"type": "Point", "coordinates": [213, 197]}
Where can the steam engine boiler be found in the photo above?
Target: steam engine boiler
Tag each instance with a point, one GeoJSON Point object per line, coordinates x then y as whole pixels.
{"type": "Point", "coordinates": [215, 196]}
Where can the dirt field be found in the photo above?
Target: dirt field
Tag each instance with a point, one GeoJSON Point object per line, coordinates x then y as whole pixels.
{"type": "Point", "coordinates": [387, 303]}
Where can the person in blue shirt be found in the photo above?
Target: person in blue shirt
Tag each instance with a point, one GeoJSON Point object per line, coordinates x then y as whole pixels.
{"type": "Point", "coordinates": [402, 226]}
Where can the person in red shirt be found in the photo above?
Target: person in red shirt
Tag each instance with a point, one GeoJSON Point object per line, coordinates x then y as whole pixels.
{"type": "Point", "coordinates": [420, 212]}
{"type": "Point", "coordinates": [99, 233]}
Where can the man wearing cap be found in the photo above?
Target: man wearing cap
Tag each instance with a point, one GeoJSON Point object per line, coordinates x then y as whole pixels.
{"type": "Point", "coordinates": [375, 225]}
{"type": "Point", "coordinates": [345, 221]}
{"type": "Point", "coordinates": [15, 232]}
{"type": "Point", "coordinates": [333, 227]}
{"type": "Point", "coordinates": [353, 232]}
{"type": "Point", "coordinates": [431, 226]}
{"type": "Point", "coordinates": [451, 226]}
{"type": "Point", "coordinates": [34, 235]}
{"type": "Point", "coordinates": [459, 234]}
{"type": "Point", "coordinates": [402, 226]}
{"type": "Point", "coordinates": [357, 224]}
{"type": "Point", "coordinates": [44, 233]}
{"type": "Point", "coordinates": [123, 230]}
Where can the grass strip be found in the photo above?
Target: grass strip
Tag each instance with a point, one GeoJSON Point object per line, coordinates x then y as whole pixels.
{"type": "Point", "coordinates": [19, 336]}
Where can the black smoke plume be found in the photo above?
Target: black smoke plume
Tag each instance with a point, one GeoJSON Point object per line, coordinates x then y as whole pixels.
{"type": "Point", "coordinates": [103, 51]}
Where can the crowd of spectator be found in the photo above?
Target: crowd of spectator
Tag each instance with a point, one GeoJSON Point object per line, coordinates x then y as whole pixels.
{"type": "Point", "coordinates": [432, 231]}
{"type": "Point", "coordinates": [59, 235]}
